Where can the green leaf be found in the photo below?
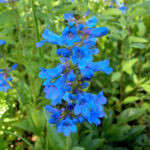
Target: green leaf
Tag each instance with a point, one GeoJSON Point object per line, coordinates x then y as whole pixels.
{"type": "Point", "coordinates": [134, 132]}
{"type": "Point", "coordinates": [135, 79]}
{"type": "Point", "coordinates": [130, 99]}
{"type": "Point", "coordinates": [142, 27]}
{"type": "Point", "coordinates": [17, 135]}
{"type": "Point", "coordinates": [38, 144]}
{"type": "Point", "coordinates": [23, 124]}
{"type": "Point", "coordinates": [7, 18]}
{"type": "Point", "coordinates": [129, 115]}
{"type": "Point", "coordinates": [108, 119]}
{"type": "Point", "coordinates": [3, 144]}
{"type": "Point", "coordinates": [146, 87]}
{"type": "Point", "coordinates": [127, 67]}
{"type": "Point", "coordinates": [78, 148]}
{"type": "Point", "coordinates": [146, 106]}
{"type": "Point", "coordinates": [138, 45]}
{"type": "Point", "coordinates": [37, 85]}
{"type": "Point", "coordinates": [137, 39]}
{"type": "Point", "coordinates": [66, 8]}
{"type": "Point", "coordinates": [129, 88]}
{"type": "Point", "coordinates": [115, 76]}
{"type": "Point", "coordinates": [112, 11]}
{"type": "Point", "coordinates": [95, 143]}
{"type": "Point", "coordinates": [85, 142]}
{"type": "Point", "coordinates": [138, 12]}
{"type": "Point", "coordinates": [117, 133]}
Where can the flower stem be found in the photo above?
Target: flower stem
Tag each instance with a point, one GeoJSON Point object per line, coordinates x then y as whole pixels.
{"type": "Point", "coordinates": [67, 142]}
{"type": "Point", "coordinates": [15, 13]}
{"type": "Point", "coordinates": [40, 54]}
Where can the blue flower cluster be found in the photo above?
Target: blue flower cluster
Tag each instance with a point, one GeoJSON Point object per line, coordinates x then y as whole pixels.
{"type": "Point", "coordinates": [120, 6]}
{"type": "Point", "coordinates": [4, 75]}
{"type": "Point", "coordinates": [5, 78]}
{"type": "Point", "coordinates": [7, 1]}
{"type": "Point", "coordinates": [2, 42]}
{"type": "Point", "coordinates": [64, 84]}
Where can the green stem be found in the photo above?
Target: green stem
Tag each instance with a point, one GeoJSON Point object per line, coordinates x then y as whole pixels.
{"type": "Point", "coordinates": [15, 13]}
{"type": "Point", "coordinates": [40, 54]}
{"type": "Point", "coordinates": [34, 124]}
{"type": "Point", "coordinates": [123, 48]}
{"type": "Point", "coordinates": [122, 73]}
{"type": "Point", "coordinates": [20, 100]}
{"type": "Point", "coordinates": [23, 139]}
{"type": "Point", "coordinates": [139, 72]}
{"type": "Point", "coordinates": [67, 142]}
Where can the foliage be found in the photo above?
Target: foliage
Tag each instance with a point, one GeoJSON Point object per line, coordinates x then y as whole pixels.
{"type": "Point", "coordinates": [23, 123]}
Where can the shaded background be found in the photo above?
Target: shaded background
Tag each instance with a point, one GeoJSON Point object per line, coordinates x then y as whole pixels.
{"type": "Point", "coordinates": [126, 126]}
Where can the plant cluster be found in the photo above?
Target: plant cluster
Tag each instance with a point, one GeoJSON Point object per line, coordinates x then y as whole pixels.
{"type": "Point", "coordinates": [64, 84]}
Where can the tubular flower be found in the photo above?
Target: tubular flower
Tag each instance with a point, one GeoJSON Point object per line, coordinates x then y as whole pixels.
{"type": "Point", "coordinates": [120, 6]}
{"type": "Point", "coordinates": [5, 78]}
{"type": "Point", "coordinates": [2, 42]}
{"type": "Point", "coordinates": [7, 1]}
{"type": "Point", "coordinates": [63, 85]}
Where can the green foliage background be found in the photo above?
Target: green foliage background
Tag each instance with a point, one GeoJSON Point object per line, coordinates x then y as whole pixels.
{"type": "Point", "coordinates": [126, 126]}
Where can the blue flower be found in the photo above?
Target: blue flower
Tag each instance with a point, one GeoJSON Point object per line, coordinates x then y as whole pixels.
{"type": "Point", "coordinates": [63, 52]}
{"type": "Point", "coordinates": [70, 36]}
{"type": "Point", "coordinates": [102, 114]}
{"type": "Point", "coordinates": [67, 126]}
{"type": "Point", "coordinates": [55, 91]}
{"type": "Point", "coordinates": [90, 42]}
{"type": "Point", "coordinates": [80, 27]}
{"type": "Point", "coordinates": [51, 109]}
{"type": "Point", "coordinates": [81, 56]}
{"type": "Point", "coordinates": [64, 84]}
{"type": "Point", "coordinates": [55, 114]}
{"type": "Point", "coordinates": [87, 74]}
{"type": "Point", "coordinates": [95, 51]}
{"type": "Point", "coordinates": [94, 117]}
{"type": "Point", "coordinates": [13, 67]}
{"type": "Point", "coordinates": [100, 66]}
{"type": "Point", "coordinates": [4, 86]}
{"type": "Point", "coordinates": [120, 6]}
{"type": "Point", "coordinates": [71, 76]}
{"type": "Point", "coordinates": [83, 104]}
{"type": "Point", "coordinates": [123, 8]}
{"type": "Point", "coordinates": [84, 85]}
{"type": "Point", "coordinates": [75, 120]}
{"type": "Point", "coordinates": [70, 107]}
{"type": "Point", "coordinates": [97, 32]}
{"type": "Point", "coordinates": [80, 119]}
{"type": "Point", "coordinates": [92, 22]}
{"type": "Point", "coordinates": [101, 98]}
{"type": "Point", "coordinates": [51, 38]}
{"type": "Point", "coordinates": [7, 1]}
{"type": "Point", "coordinates": [86, 14]}
{"type": "Point", "coordinates": [5, 78]}
{"type": "Point", "coordinates": [68, 97]}
{"type": "Point", "coordinates": [69, 17]}
{"type": "Point", "coordinates": [55, 117]}
{"type": "Point", "coordinates": [49, 74]}
{"type": "Point", "coordinates": [3, 1]}
{"type": "Point", "coordinates": [2, 42]}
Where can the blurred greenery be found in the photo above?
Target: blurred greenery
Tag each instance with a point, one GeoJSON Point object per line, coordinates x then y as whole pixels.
{"type": "Point", "coordinates": [126, 126]}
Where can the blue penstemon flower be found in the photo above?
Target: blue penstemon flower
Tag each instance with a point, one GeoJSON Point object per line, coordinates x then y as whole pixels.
{"type": "Point", "coordinates": [5, 78]}
{"type": "Point", "coordinates": [7, 1]}
{"type": "Point", "coordinates": [2, 42]}
{"type": "Point", "coordinates": [121, 6]}
{"type": "Point", "coordinates": [63, 84]}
